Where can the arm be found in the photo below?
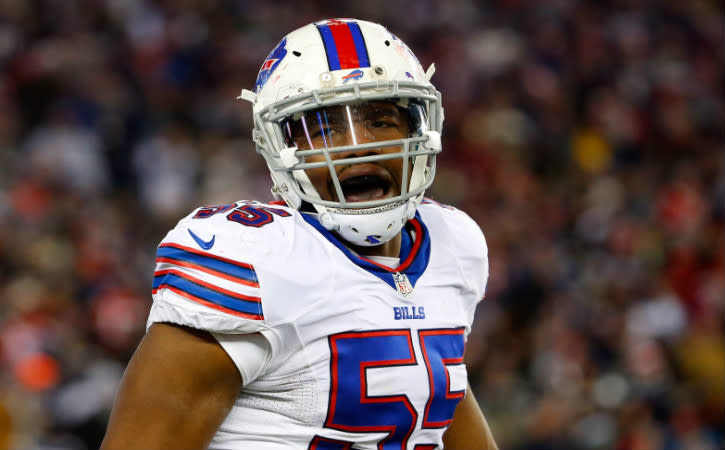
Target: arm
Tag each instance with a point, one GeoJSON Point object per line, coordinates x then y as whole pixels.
{"type": "Point", "coordinates": [469, 429]}
{"type": "Point", "coordinates": [177, 389]}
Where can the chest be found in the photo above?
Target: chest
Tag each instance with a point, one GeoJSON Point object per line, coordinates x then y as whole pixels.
{"type": "Point", "coordinates": [387, 369]}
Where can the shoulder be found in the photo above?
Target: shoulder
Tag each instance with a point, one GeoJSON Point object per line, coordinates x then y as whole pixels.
{"type": "Point", "coordinates": [211, 266]}
{"type": "Point", "coordinates": [457, 241]}
{"type": "Point", "coordinates": [454, 227]}
{"type": "Point", "coordinates": [232, 220]}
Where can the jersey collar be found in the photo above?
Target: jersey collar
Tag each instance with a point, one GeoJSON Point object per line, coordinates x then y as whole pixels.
{"type": "Point", "coordinates": [414, 253]}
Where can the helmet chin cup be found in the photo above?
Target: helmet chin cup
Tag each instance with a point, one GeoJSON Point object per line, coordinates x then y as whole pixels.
{"type": "Point", "coordinates": [369, 228]}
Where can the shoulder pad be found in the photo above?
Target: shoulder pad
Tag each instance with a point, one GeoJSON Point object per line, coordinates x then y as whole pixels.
{"type": "Point", "coordinates": [463, 236]}
{"type": "Point", "coordinates": [206, 263]}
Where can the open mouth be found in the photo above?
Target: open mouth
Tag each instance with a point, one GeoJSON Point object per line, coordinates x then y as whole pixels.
{"type": "Point", "coordinates": [360, 184]}
{"type": "Point", "coordinates": [365, 187]}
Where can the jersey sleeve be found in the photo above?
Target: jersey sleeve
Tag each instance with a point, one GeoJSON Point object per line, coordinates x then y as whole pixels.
{"type": "Point", "coordinates": [250, 352]}
{"type": "Point", "coordinates": [201, 282]}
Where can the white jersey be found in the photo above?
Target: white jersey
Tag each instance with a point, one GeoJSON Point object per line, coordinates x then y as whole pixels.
{"type": "Point", "coordinates": [360, 355]}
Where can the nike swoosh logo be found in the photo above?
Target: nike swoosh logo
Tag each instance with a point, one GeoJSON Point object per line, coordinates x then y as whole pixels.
{"type": "Point", "coordinates": [206, 245]}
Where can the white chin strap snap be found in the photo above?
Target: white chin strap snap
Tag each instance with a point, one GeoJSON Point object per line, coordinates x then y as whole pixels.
{"type": "Point", "coordinates": [328, 222]}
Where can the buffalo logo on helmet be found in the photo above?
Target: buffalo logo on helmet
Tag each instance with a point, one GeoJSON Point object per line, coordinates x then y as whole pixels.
{"type": "Point", "coordinates": [354, 75]}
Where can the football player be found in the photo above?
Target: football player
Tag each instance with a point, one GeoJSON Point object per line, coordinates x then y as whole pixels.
{"type": "Point", "coordinates": [336, 317]}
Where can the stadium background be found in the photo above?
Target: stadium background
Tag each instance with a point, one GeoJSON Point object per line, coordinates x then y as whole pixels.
{"type": "Point", "coordinates": [585, 137]}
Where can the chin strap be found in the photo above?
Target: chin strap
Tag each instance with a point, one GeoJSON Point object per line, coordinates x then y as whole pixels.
{"type": "Point", "coordinates": [411, 207]}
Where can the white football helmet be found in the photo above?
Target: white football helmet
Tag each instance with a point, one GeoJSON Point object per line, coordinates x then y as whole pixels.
{"type": "Point", "coordinates": [338, 68]}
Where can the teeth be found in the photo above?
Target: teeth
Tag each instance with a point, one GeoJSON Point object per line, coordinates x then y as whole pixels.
{"type": "Point", "coordinates": [372, 194]}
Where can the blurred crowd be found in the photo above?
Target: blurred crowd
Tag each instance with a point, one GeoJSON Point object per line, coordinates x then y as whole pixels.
{"type": "Point", "coordinates": [585, 137]}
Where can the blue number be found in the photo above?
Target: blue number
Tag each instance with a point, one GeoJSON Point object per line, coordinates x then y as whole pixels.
{"type": "Point", "coordinates": [354, 352]}
{"type": "Point", "coordinates": [351, 409]}
{"type": "Point", "coordinates": [255, 216]}
{"type": "Point", "coordinates": [441, 348]}
{"type": "Point", "coordinates": [249, 214]}
{"type": "Point", "coordinates": [209, 211]}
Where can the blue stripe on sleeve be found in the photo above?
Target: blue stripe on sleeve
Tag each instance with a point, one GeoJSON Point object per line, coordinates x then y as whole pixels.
{"type": "Point", "coordinates": [207, 294]}
{"type": "Point", "coordinates": [229, 268]}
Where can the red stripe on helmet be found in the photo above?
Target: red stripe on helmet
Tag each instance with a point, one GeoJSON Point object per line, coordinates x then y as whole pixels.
{"type": "Point", "coordinates": [346, 51]}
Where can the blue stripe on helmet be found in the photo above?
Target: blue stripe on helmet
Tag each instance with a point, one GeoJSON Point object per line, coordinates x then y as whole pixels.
{"type": "Point", "coordinates": [333, 61]}
{"type": "Point", "coordinates": [360, 47]}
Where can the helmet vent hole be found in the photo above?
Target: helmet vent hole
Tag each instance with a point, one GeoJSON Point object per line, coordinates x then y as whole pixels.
{"type": "Point", "coordinates": [296, 53]}
{"type": "Point", "coordinates": [387, 43]}
{"type": "Point", "coordinates": [355, 230]}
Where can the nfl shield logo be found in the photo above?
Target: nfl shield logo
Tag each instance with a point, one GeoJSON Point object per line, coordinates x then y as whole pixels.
{"type": "Point", "coordinates": [402, 284]}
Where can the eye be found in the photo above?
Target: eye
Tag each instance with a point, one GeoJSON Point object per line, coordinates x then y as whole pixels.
{"type": "Point", "coordinates": [384, 122]}
{"type": "Point", "coordinates": [322, 130]}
